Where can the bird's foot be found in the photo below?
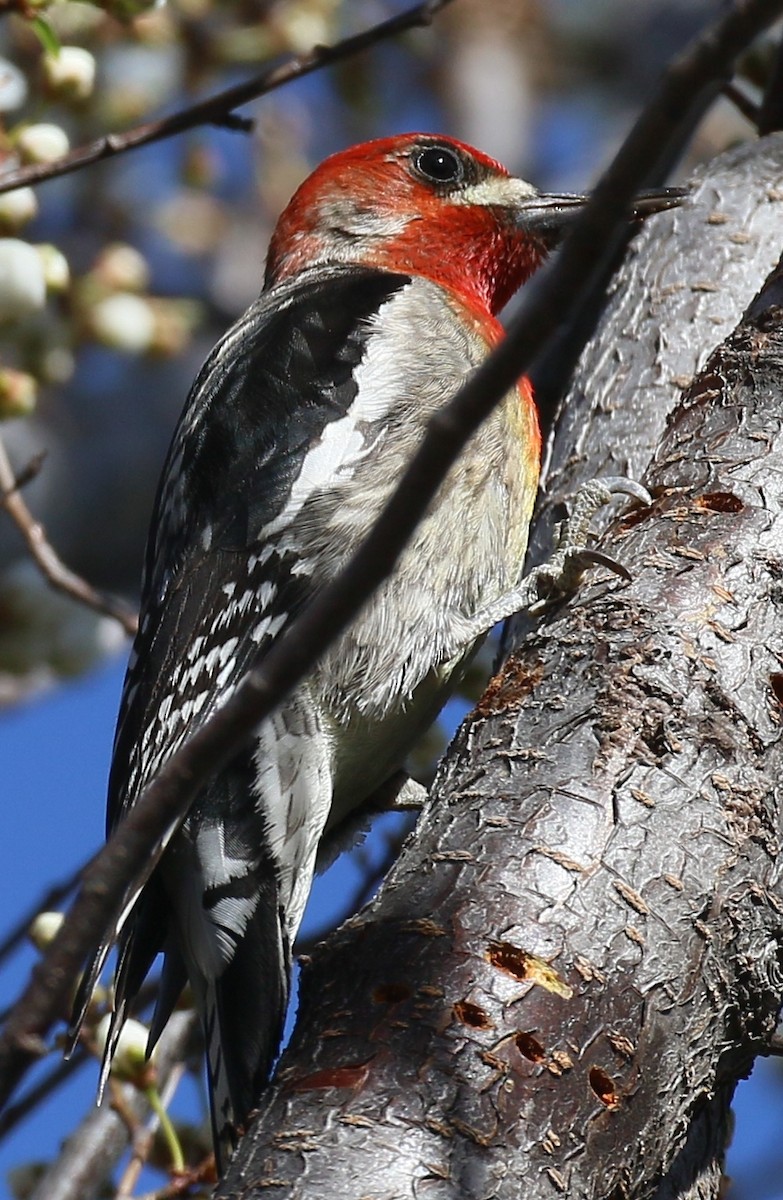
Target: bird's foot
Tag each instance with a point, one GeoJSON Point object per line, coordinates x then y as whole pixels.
{"type": "Point", "coordinates": [399, 793]}
{"type": "Point", "coordinates": [562, 573]}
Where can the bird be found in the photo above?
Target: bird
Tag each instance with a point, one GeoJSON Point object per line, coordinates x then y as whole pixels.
{"type": "Point", "coordinates": [384, 279]}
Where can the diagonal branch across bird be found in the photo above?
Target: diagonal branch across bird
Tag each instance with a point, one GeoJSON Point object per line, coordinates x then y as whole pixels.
{"type": "Point", "coordinates": [384, 279]}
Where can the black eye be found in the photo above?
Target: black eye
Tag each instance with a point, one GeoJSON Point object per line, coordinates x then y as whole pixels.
{"type": "Point", "coordinates": [438, 164]}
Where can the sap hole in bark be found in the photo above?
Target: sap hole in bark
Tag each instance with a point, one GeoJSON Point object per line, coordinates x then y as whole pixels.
{"type": "Point", "coordinates": [654, 735]}
{"type": "Point", "coordinates": [472, 1015]}
{"type": "Point", "coordinates": [354, 1076]}
{"type": "Point", "coordinates": [603, 1086]}
{"type": "Point", "coordinates": [722, 502]}
{"type": "Point", "coordinates": [776, 683]}
{"type": "Point", "coordinates": [509, 958]}
{"type": "Point", "coordinates": [528, 967]}
{"type": "Point", "coordinates": [391, 993]}
{"type": "Point", "coordinates": [529, 1047]}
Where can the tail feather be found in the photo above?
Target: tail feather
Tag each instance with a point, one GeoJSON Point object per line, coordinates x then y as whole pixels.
{"type": "Point", "coordinates": [139, 936]}
{"type": "Point", "coordinates": [243, 1016]}
{"type": "Point", "coordinates": [172, 982]}
{"type": "Point", "coordinates": [140, 941]}
{"type": "Point", "coordinates": [84, 994]}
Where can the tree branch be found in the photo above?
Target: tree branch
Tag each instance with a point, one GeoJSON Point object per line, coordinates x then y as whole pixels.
{"type": "Point", "coordinates": [90, 1153]}
{"type": "Point", "coordinates": [218, 109]}
{"type": "Point", "coordinates": [569, 990]}
{"type": "Point", "coordinates": [127, 858]}
{"type": "Point", "coordinates": [689, 279]}
{"type": "Point", "coordinates": [51, 898]}
{"type": "Point", "coordinates": [46, 558]}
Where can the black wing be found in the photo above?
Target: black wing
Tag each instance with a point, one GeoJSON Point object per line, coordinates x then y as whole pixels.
{"type": "Point", "coordinates": [216, 591]}
{"type": "Point", "coordinates": [262, 399]}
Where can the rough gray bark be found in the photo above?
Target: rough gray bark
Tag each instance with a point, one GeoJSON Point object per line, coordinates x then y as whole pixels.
{"type": "Point", "coordinates": [683, 286]}
{"type": "Point", "coordinates": [579, 952]}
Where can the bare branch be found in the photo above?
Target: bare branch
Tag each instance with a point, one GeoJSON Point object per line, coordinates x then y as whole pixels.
{"type": "Point", "coordinates": [128, 858]}
{"type": "Point", "coordinates": [54, 896]}
{"type": "Point", "coordinates": [46, 558]}
{"type": "Point", "coordinates": [218, 109]}
{"type": "Point", "coordinates": [144, 1138]}
{"type": "Point", "coordinates": [92, 1150]}
{"type": "Point", "coordinates": [770, 113]}
{"type": "Point", "coordinates": [58, 1075]}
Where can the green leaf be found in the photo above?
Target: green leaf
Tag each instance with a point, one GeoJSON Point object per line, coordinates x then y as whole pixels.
{"type": "Point", "coordinates": [46, 35]}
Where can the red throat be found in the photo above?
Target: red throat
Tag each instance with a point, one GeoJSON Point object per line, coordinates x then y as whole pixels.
{"type": "Point", "coordinates": [472, 251]}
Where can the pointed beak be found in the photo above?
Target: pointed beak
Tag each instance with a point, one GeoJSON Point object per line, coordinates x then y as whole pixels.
{"type": "Point", "coordinates": [549, 216]}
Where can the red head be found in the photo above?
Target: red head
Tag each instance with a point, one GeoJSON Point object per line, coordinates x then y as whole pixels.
{"type": "Point", "coordinates": [424, 205]}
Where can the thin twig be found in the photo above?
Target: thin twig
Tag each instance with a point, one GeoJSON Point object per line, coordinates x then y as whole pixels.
{"type": "Point", "coordinates": [29, 472]}
{"type": "Point", "coordinates": [129, 857]}
{"type": "Point", "coordinates": [769, 117]}
{"type": "Point", "coordinates": [58, 1075]}
{"type": "Point", "coordinates": [56, 893]}
{"type": "Point", "coordinates": [91, 1151]}
{"type": "Point", "coordinates": [46, 558]}
{"type": "Point", "coordinates": [144, 1138]}
{"type": "Point", "coordinates": [217, 110]}
{"type": "Point", "coordinates": [204, 1173]}
{"type": "Point", "coordinates": [742, 102]}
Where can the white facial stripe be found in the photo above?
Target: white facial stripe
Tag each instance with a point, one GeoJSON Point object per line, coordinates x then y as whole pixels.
{"type": "Point", "coordinates": [498, 190]}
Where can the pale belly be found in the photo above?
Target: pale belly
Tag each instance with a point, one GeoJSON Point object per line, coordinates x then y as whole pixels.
{"type": "Point", "coordinates": [369, 751]}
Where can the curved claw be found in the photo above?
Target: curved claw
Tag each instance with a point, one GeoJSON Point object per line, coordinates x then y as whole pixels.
{"type": "Point", "coordinates": [562, 572]}
{"type": "Point", "coordinates": [621, 485]}
{"type": "Point", "coordinates": [595, 558]}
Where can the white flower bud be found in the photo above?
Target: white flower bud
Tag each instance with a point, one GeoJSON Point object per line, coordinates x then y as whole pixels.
{"type": "Point", "coordinates": [307, 24]}
{"type": "Point", "coordinates": [124, 322]}
{"type": "Point", "coordinates": [57, 273]}
{"type": "Point", "coordinates": [45, 635]}
{"type": "Point", "coordinates": [22, 280]}
{"type": "Point", "coordinates": [57, 365]}
{"type": "Point", "coordinates": [18, 393]}
{"type": "Point", "coordinates": [42, 143]}
{"type": "Point", "coordinates": [122, 269]}
{"type": "Point", "coordinates": [13, 86]}
{"type": "Point", "coordinates": [70, 73]}
{"type": "Point", "coordinates": [130, 1056]}
{"type": "Point", "coordinates": [17, 207]}
{"type": "Point", "coordinates": [45, 928]}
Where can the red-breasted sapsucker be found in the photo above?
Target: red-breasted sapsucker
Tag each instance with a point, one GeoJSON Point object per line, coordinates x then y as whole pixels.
{"type": "Point", "coordinates": [383, 283]}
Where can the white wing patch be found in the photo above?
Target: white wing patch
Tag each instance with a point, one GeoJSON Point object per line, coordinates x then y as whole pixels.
{"type": "Point", "coordinates": [294, 790]}
{"type": "Point", "coordinates": [346, 442]}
